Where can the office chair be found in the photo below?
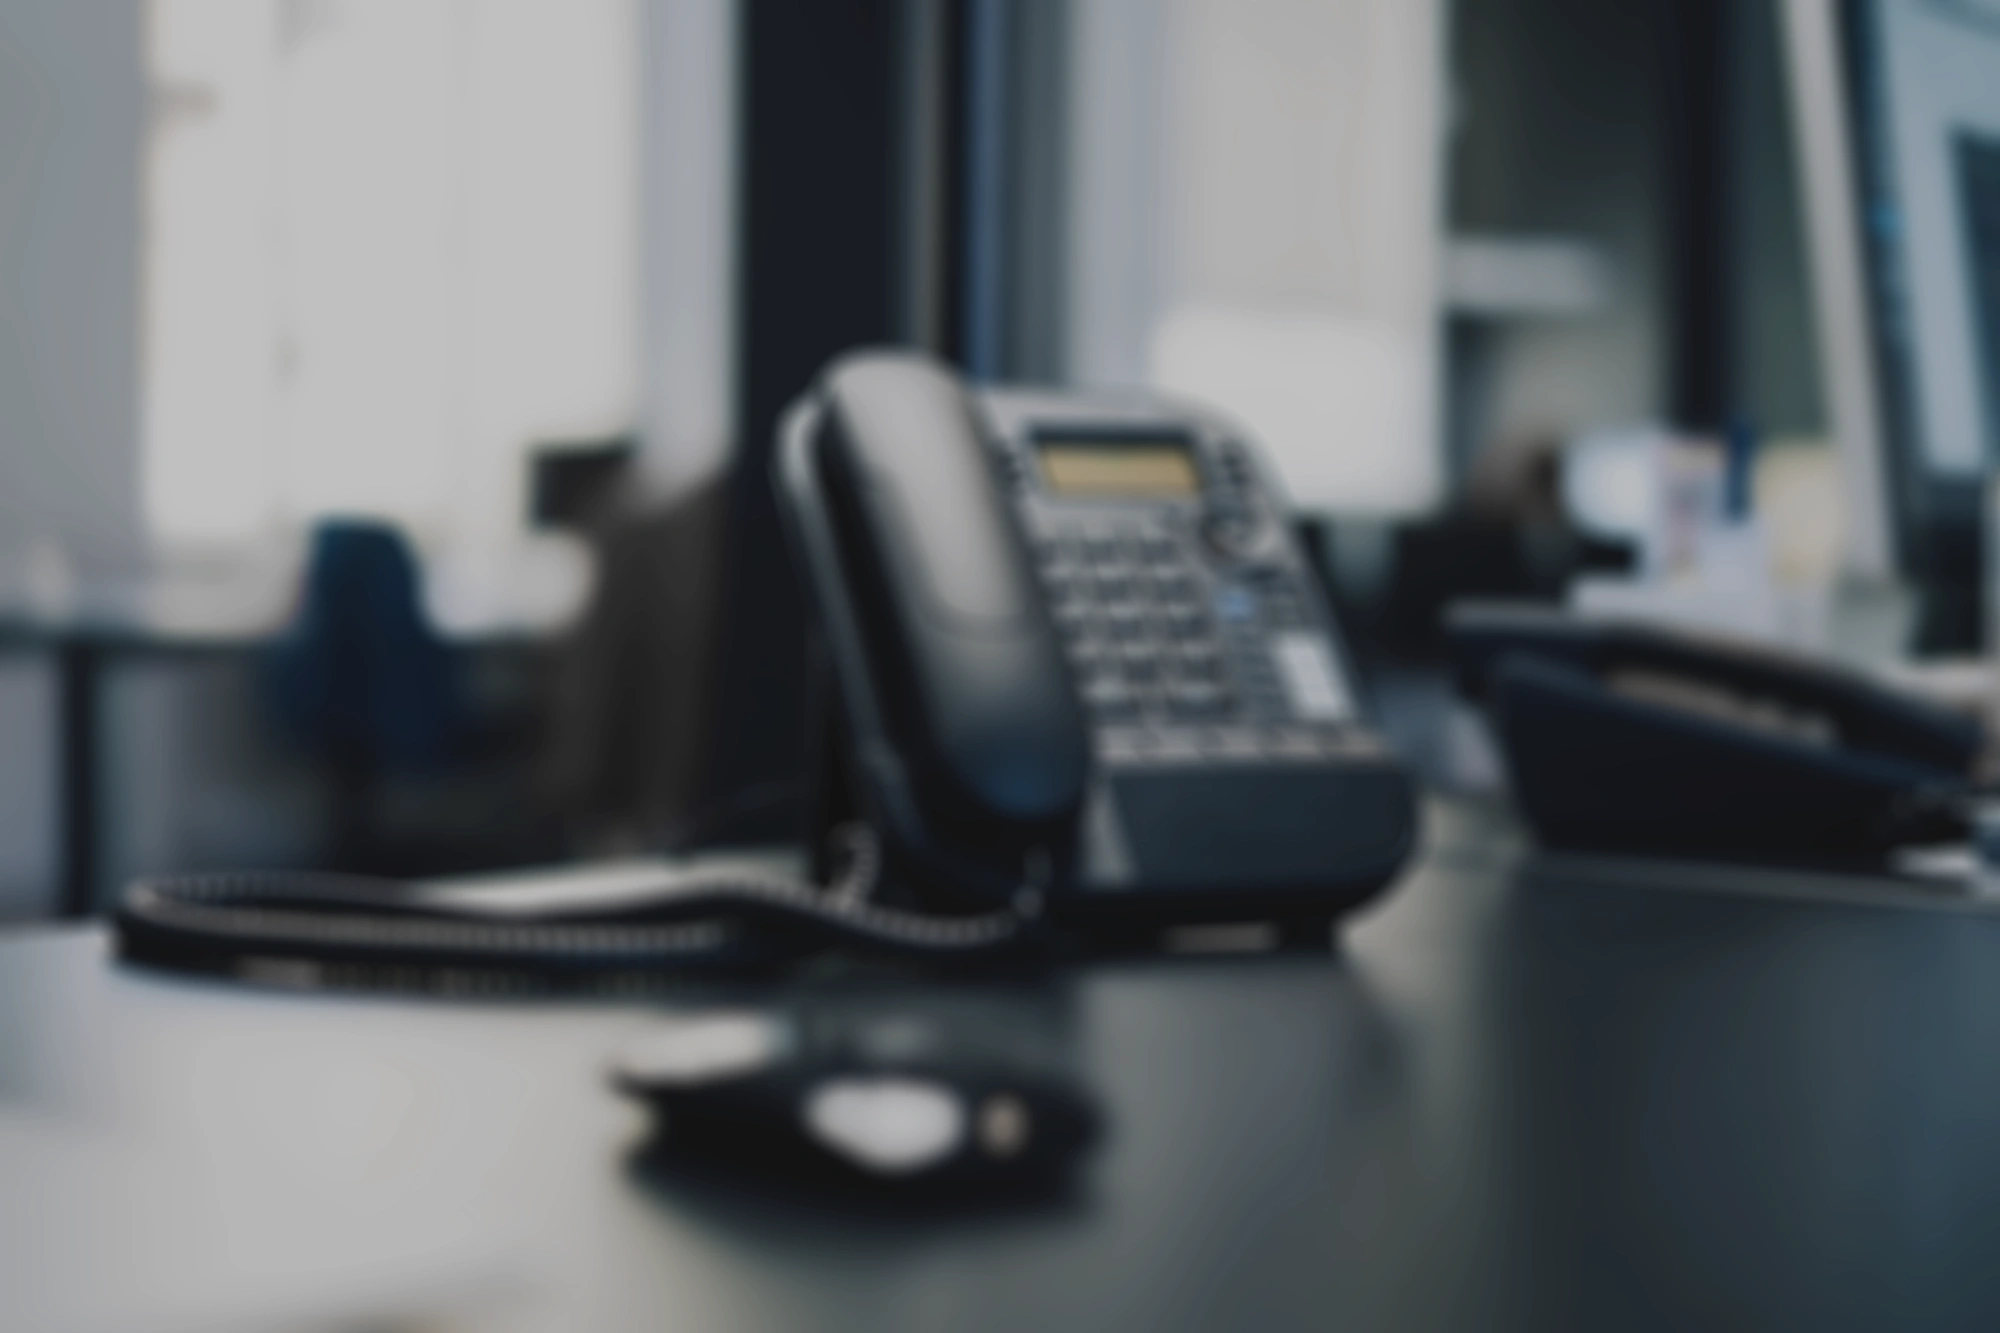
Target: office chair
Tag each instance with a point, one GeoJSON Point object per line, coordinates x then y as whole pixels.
{"type": "Point", "coordinates": [363, 684]}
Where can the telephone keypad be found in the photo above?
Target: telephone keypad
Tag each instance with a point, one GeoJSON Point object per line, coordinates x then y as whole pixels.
{"type": "Point", "coordinates": [1178, 639]}
{"type": "Point", "coordinates": [1171, 658]}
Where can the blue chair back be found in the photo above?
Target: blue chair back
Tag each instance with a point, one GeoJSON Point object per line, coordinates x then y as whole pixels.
{"type": "Point", "coordinates": [360, 678]}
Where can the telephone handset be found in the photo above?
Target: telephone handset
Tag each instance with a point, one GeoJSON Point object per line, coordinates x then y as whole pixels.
{"type": "Point", "coordinates": [1074, 650]}
{"type": "Point", "coordinates": [995, 737]}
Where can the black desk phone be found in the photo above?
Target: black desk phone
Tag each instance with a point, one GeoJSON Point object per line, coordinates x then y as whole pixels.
{"type": "Point", "coordinates": [1075, 652]}
{"type": "Point", "coordinates": [1625, 737]}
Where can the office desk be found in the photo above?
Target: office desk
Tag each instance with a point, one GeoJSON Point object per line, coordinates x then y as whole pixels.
{"type": "Point", "coordinates": [79, 650]}
{"type": "Point", "coordinates": [1518, 1096]}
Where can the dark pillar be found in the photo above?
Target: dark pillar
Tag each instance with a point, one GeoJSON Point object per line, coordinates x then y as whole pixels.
{"type": "Point", "coordinates": [819, 226]}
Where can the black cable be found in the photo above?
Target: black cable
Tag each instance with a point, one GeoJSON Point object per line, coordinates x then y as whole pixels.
{"type": "Point", "coordinates": [717, 921]}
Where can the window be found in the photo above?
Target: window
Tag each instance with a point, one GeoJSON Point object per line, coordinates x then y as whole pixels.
{"type": "Point", "coordinates": [1255, 222]}
{"type": "Point", "coordinates": [389, 245]}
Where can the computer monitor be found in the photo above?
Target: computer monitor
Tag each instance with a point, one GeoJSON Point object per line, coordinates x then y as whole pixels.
{"type": "Point", "coordinates": [1897, 118]}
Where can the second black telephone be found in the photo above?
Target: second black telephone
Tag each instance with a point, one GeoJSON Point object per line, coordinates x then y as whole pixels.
{"type": "Point", "coordinates": [1076, 652]}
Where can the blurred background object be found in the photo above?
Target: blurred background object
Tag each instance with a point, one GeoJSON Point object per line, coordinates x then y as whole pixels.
{"type": "Point", "coordinates": [629, 728]}
{"type": "Point", "coordinates": [1896, 117]}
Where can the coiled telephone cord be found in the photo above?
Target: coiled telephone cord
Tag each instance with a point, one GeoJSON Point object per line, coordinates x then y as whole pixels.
{"type": "Point", "coordinates": [695, 921]}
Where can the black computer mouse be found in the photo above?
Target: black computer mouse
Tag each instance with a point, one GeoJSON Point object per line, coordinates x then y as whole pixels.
{"type": "Point", "coordinates": [782, 1098]}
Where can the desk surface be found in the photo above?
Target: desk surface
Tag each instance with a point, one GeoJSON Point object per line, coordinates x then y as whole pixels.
{"type": "Point", "coordinates": [1512, 1099]}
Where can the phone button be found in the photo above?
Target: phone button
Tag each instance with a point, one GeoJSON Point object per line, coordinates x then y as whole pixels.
{"type": "Point", "coordinates": [1234, 605]}
{"type": "Point", "coordinates": [1196, 698]}
{"type": "Point", "coordinates": [1232, 529]}
{"type": "Point", "coordinates": [1292, 743]}
{"type": "Point", "coordinates": [1124, 620]}
{"type": "Point", "coordinates": [1234, 743]}
{"type": "Point", "coordinates": [1235, 465]}
{"type": "Point", "coordinates": [1109, 696]}
{"type": "Point", "coordinates": [1064, 586]}
{"type": "Point", "coordinates": [1120, 745]}
{"type": "Point", "coordinates": [1174, 587]}
{"type": "Point", "coordinates": [1176, 745]}
{"type": "Point", "coordinates": [1140, 663]}
{"type": "Point", "coordinates": [1103, 548]}
{"type": "Point", "coordinates": [1134, 548]}
{"type": "Point", "coordinates": [1075, 619]}
{"type": "Point", "coordinates": [1060, 551]}
{"type": "Point", "coordinates": [1112, 585]}
{"type": "Point", "coordinates": [1198, 660]}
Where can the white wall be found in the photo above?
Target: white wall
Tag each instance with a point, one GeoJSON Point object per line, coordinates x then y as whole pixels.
{"type": "Point", "coordinates": [1118, 102]}
{"type": "Point", "coordinates": [390, 247]}
{"type": "Point", "coordinates": [687, 247]}
{"type": "Point", "coordinates": [71, 113]}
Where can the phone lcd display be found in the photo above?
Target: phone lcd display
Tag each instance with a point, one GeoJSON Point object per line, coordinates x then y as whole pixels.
{"type": "Point", "coordinates": [1119, 469]}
